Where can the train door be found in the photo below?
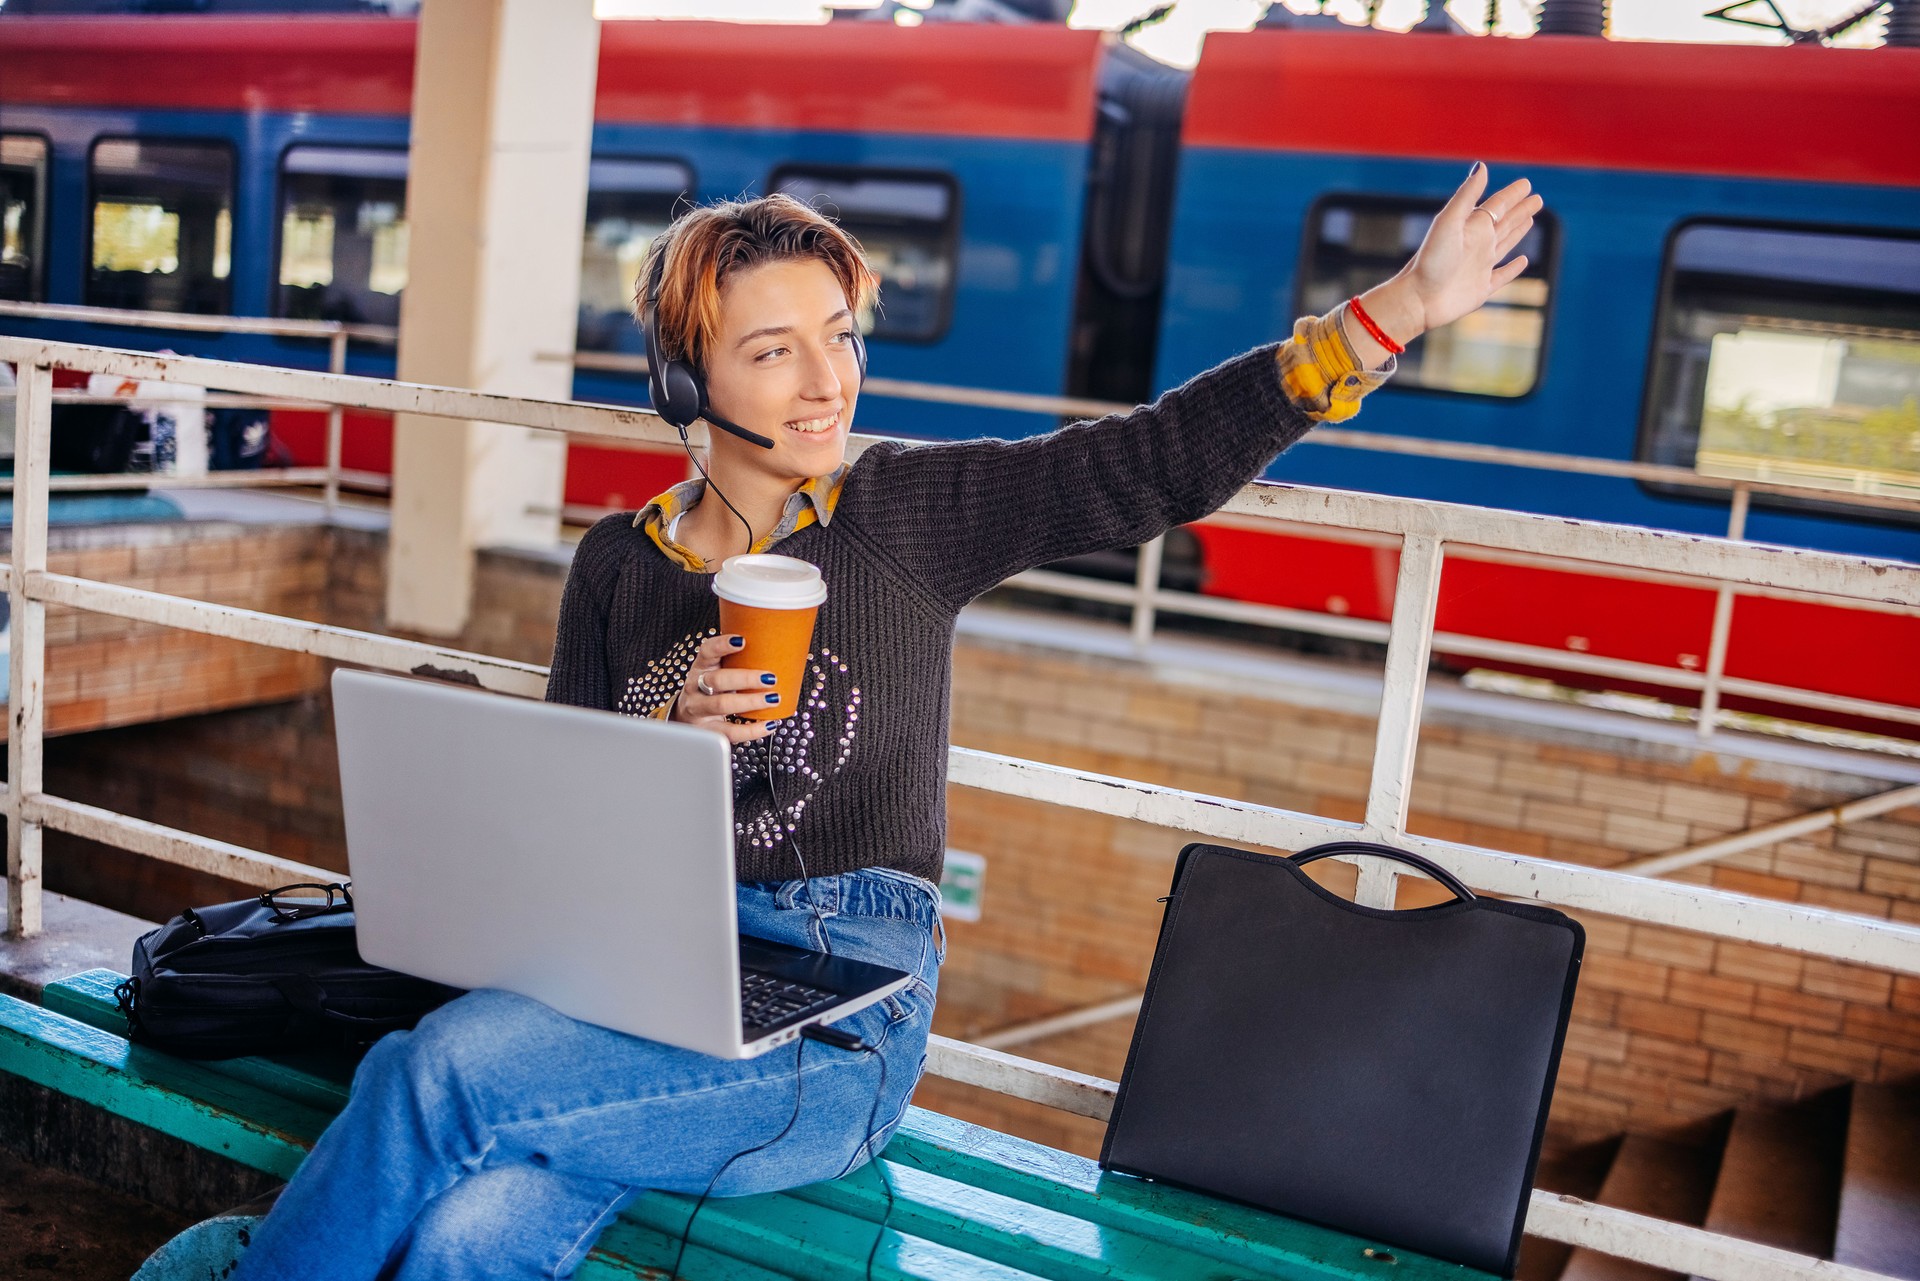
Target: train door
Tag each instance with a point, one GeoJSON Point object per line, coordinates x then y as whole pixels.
{"type": "Point", "coordinates": [23, 217]}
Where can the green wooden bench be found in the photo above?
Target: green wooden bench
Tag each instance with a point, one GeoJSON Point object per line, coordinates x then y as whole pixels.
{"type": "Point", "coordinates": [967, 1202]}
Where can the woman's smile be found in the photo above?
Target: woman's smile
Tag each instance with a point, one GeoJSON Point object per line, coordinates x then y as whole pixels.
{"type": "Point", "coordinates": [814, 426]}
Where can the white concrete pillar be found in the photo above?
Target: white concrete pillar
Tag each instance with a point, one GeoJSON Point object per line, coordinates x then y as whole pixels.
{"type": "Point", "coordinates": [496, 198]}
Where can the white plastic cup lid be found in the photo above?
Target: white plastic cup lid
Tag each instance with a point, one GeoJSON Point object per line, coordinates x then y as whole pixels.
{"type": "Point", "coordinates": [769, 582]}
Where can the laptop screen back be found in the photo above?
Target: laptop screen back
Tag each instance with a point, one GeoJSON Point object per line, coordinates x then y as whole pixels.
{"type": "Point", "coordinates": [578, 857]}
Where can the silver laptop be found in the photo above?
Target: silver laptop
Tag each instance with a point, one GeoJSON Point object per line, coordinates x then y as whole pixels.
{"type": "Point", "coordinates": [578, 857]}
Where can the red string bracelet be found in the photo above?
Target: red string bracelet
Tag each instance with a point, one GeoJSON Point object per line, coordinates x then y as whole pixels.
{"type": "Point", "coordinates": [1366, 322]}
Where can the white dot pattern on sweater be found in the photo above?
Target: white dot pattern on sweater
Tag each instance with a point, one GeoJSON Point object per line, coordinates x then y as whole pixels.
{"type": "Point", "coordinates": [791, 749]}
{"type": "Point", "coordinates": [665, 677]}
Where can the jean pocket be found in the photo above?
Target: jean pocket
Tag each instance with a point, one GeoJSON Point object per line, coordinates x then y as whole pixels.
{"type": "Point", "coordinates": [913, 999]}
{"type": "Point", "coordinates": [903, 888]}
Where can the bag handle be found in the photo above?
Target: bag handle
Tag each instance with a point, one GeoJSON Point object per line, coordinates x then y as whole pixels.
{"type": "Point", "coordinates": [1420, 861]}
{"type": "Point", "coordinates": [304, 993]}
{"type": "Point", "coordinates": [284, 912]}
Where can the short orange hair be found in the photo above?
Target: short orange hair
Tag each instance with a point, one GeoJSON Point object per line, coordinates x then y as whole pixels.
{"type": "Point", "coordinates": [705, 246]}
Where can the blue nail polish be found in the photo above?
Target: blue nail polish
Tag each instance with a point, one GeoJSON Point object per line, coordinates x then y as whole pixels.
{"type": "Point", "coordinates": [766, 678]}
{"type": "Point", "coordinates": [736, 641]}
{"type": "Point", "coordinates": [773, 698]}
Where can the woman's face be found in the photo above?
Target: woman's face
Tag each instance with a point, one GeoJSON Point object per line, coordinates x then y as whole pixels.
{"type": "Point", "coordinates": [784, 365]}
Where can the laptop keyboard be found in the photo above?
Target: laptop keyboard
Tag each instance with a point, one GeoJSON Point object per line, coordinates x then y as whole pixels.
{"type": "Point", "coordinates": [766, 1001]}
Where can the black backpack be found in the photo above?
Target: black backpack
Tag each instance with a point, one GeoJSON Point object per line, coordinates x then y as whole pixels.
{"type": "Point", "coordinates": [263, 976]}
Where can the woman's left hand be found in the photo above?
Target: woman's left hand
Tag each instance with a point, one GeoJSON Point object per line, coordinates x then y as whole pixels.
{"type": "Point", "coordinates": [1457, 267]}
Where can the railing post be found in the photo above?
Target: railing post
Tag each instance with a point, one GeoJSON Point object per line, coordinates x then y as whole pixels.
{"type": "Point", "coordinates": [27, 658]}
{"type": "Point", "coordinates": [336, 364]}
{"type": "Point", "coordinates": [1146, 584]}
{"type": "Point", "coordinates": [1722, 623]}
{"type": "Point", "coordinates": [1416, 601]}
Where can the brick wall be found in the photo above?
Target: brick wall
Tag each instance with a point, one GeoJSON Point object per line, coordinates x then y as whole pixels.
{"type": "Point", "coordinates": [516, 596]}
{"type": "Point", "coordinates": [1669, 1027]}
{"type": "Point", "coordinates": [104, 671]}
{"type": "Point", "coordinates": [261, 777]}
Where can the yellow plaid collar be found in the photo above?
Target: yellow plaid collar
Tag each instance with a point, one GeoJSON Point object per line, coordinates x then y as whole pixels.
{"type": "Point", "coordinates": [812, 502]}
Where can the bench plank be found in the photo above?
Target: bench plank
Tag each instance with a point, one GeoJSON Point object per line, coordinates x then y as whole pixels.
{"type": "Point", "coordinates": [967, 1202]}
{"type": "Point", "coordinates": [781, 1231]}
{"type": "Point", "coordinates": [252, 1126]}
{"type": "Point", "coordinates": [317, 1080]}
{"type": "Point", "coordinates": [626, 1250]}
{"type": "Point", "coordinates": [1241, 1235]}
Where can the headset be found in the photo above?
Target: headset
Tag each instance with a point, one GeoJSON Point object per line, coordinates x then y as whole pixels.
{"type": "Point", "coordinates": [678, 389]}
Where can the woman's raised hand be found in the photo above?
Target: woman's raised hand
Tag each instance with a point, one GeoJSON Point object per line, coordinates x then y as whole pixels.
{"type": "Point", "coordinates": [712, 693]}
{"type": "Point", "coordinates": [1457, 267]}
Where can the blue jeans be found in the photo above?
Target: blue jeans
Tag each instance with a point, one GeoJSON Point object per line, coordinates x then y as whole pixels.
{"type": "Point", "coordinates": [499, 1137]}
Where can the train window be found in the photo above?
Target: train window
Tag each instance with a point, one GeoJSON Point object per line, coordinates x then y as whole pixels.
{"type": "Point", "coordinates": [909, 226]}
{"type": "Point", "coordinates": [23, 220]}
{"type": "Point", "coordinates": [1790, 356]}
{"type": "Point", "coordinates": [629, 202]}
{"type": "Point", "coordinates": [343, 234]}
{"type": "Point", "coordinates": [162, 226]}
{"type": "Point", "coordinates": [1356, 242]}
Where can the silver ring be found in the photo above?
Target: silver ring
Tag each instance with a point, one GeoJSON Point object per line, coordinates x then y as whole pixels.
{"type": "Point", "coordinates": [703, 687]}
{"type": "Point", "coordinates": [1489, 213]}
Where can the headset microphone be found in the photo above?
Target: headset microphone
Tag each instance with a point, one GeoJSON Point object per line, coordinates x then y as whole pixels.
{"type": "Point", "coordinates": [751, 437]}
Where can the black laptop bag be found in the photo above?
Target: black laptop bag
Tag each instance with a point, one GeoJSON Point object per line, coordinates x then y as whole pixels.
{"type": "Point", "coordinates": [1383, 1073]}
{"type": "Point", "coordinates": [266, 975]}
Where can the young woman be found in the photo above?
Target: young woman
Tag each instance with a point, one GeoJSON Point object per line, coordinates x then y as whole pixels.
{"type": "Point", "coordinates": [500, 1137]}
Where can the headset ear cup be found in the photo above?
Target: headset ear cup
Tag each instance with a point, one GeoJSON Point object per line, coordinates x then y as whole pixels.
{"type": "Point", "coordinates": [657, 367]}
{"type": "Point", "coordinates": [685, 393]}
{"type": "Point", "coordinates": [860, 352]}
{"type": "Point", "coordinates": [676, 391]}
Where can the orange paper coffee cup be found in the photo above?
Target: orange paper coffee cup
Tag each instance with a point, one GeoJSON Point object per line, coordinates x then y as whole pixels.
{"type": "Point", "coordinates": [772, 601]}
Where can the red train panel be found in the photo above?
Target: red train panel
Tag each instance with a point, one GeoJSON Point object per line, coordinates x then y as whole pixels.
{"type": "Point", "coordinates": [960, 79]}
{"type": "Point", "coordinates": [1300, 573]}
{"type": "Point", "coordinates": [1799, 644]}
{"type": "Point", "coordinates": [1680, 108]}
{"type": "Point", "coordinates": [345, 64]}
{"type": "Point", "coordinates": [1804, 645]}
{"type": "Point", "coordinates": [366, 440]}
{"type": "Point", "coordinates": [944, 79]}
{"type": "Point", "coordinates": [620, 478]}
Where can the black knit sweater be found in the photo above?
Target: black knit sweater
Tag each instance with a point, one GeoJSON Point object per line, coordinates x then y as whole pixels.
{"type": "Point", "coordinates": [918, 531]}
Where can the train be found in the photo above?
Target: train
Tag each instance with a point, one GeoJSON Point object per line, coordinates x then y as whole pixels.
{"type": "Point", "coordinates": [1726, 280]}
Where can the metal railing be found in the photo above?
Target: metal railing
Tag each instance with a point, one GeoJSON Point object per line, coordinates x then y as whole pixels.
{"type": "Point", "coordinates": [336, 334]}
{"type": "Point", "coordinates": [1144, 598]}
{"type": "Point", "coordinates": [1426, 533]}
